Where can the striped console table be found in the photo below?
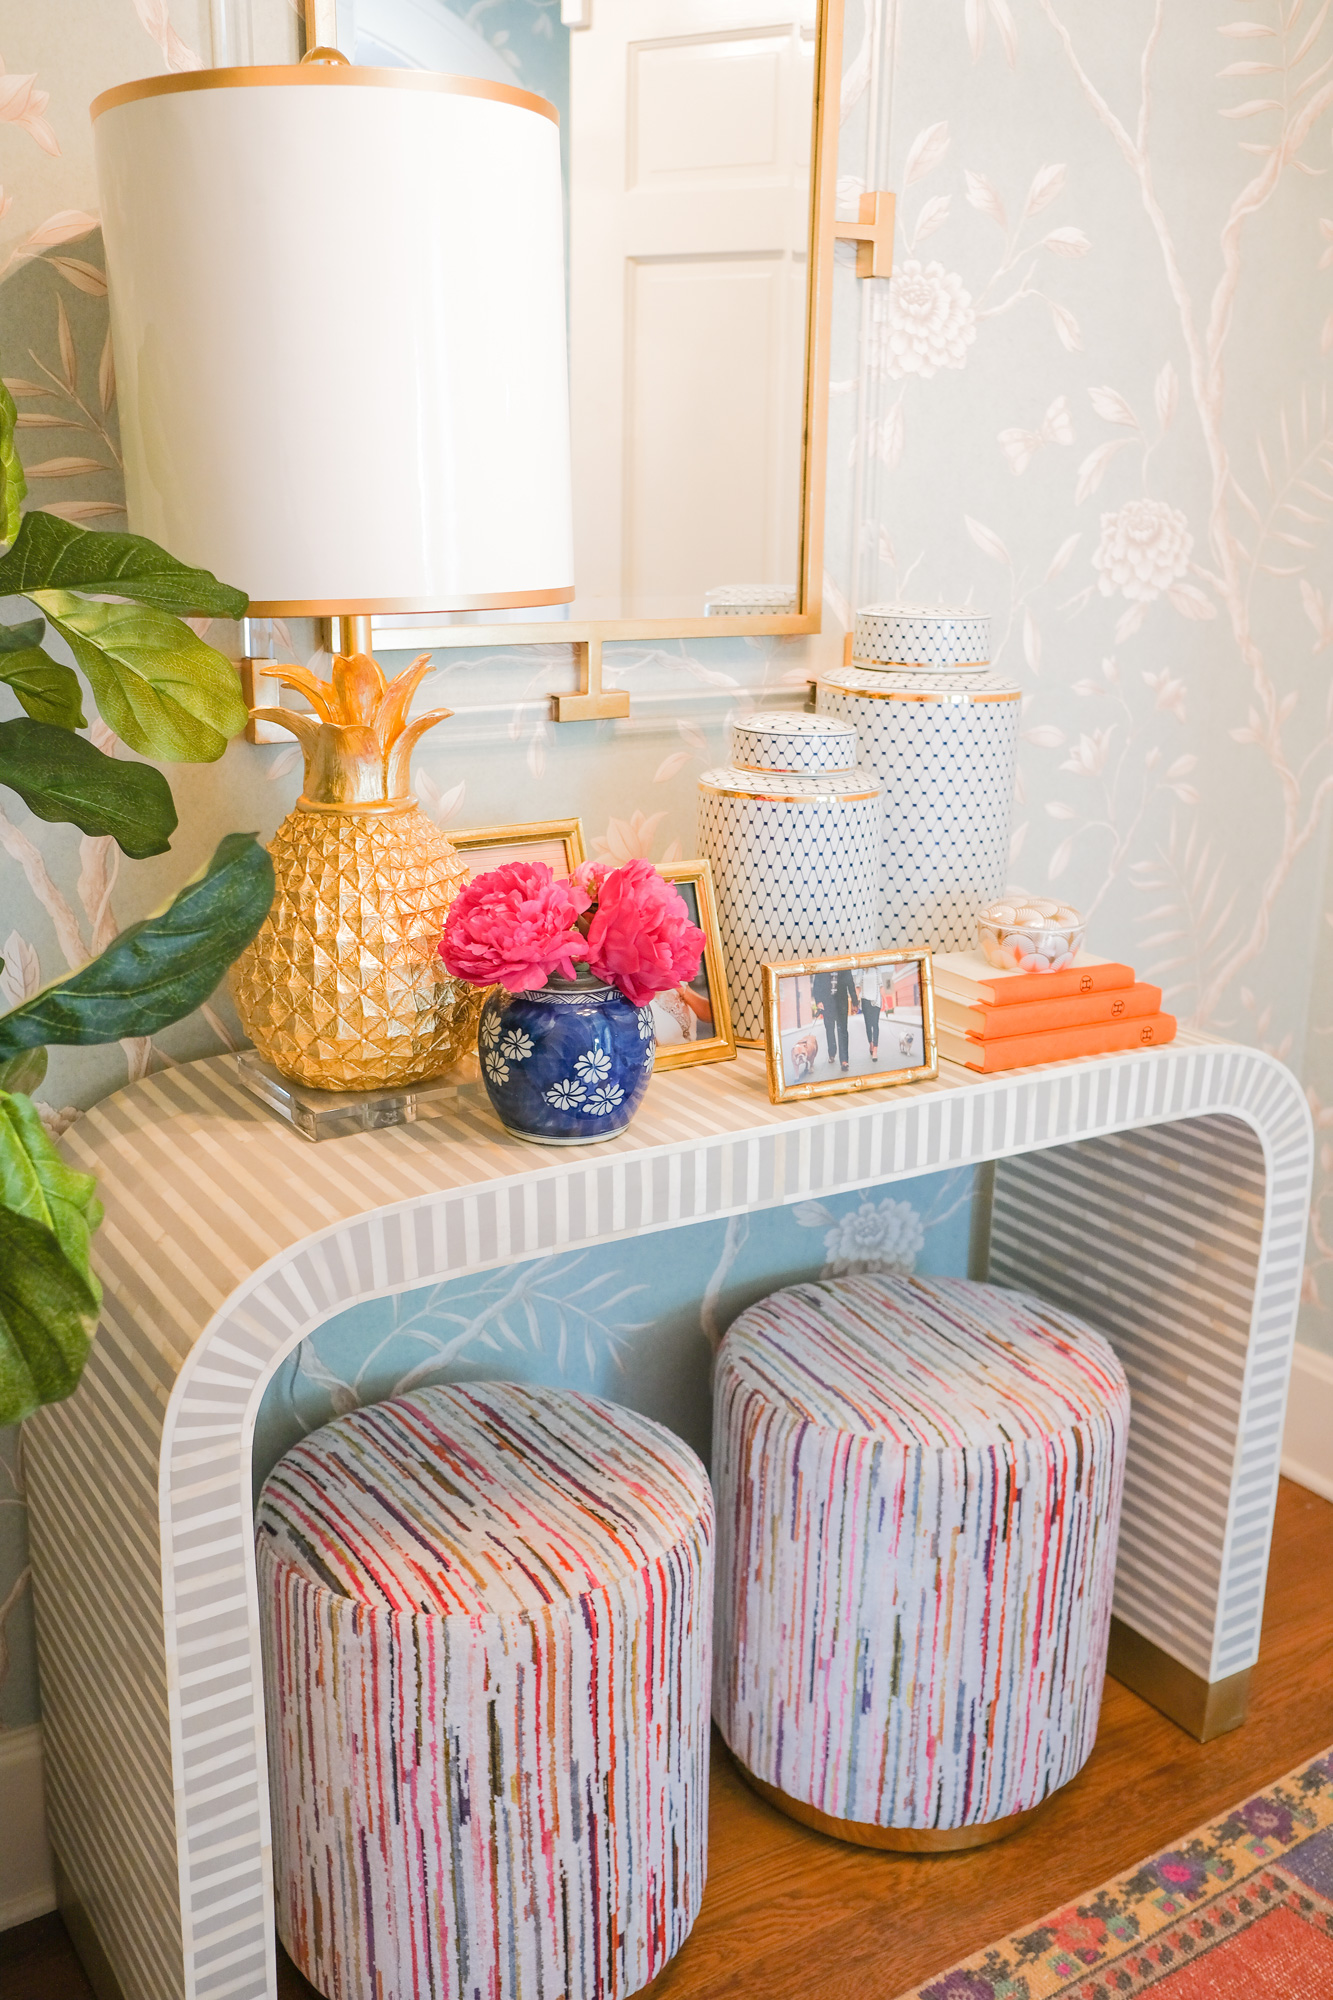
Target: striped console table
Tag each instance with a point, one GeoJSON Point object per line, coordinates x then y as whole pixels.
{"type": "Point", "coordinates": [1161, 1195]}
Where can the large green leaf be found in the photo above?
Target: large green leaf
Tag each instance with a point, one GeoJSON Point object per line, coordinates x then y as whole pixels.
{"type": "Point", "coordinates": [23, 1072]}
{"type": "Point", "coordinates": [48, 691]}
{"type": "Point", "coordinates": [13, 486]}
{"type": "Point", "coordinates": [163, 691]}
{"type": "Point", "coordinates": [161, 969]}
{"type": "Point", "coordinates": [17, 638]}
{"type": "Point", "coordinates": [48, 1317]}
{"type": "Point", "coordinates": [35, 1181]}
{"type": "Point", "coordinates": [61, 776]}
{"type": "Point", "coordinates": [49, 1298]}
{"type": "Point", "coordinates": [51, 554]}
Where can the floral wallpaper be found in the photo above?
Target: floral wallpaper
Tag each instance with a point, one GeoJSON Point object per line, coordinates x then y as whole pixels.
{"type": "Point", "coordinates": [1093, 400]}
{"type": "Point", "coordinates": [1098, 405]}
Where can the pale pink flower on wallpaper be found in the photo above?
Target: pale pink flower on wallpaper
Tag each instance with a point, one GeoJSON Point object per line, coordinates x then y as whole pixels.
{"type": "Point", "coordinates": [927, 322]}
{"type": "Point", "coordinates": [632, 839]}
{"type": "Point", "coordinates": [1087, 756]}
{"type": "Point", "coordinates": [1145, 548]}
{"type": "Point", "coordinates": [885, 1235]}
{"type": "Point", "coordinates": [1319, 614]}
{"type": "Point", "coordinates": [1169, 692]}
{"type": "Point", "coordinates": [22, 104]}
{"type": "Point", "coordinates": [177, 55]}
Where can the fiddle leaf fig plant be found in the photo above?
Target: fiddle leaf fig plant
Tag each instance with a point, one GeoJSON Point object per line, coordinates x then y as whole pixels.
{"type": "Point", "coordinates": [168, 696]}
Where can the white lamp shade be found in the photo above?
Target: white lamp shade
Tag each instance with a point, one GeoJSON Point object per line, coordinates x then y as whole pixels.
{"type": "Point", "coordinates": [338, 313]}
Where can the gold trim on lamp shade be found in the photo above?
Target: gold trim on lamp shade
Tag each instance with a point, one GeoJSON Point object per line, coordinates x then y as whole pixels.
{"type": "Point", "coordinates": [1204, 1709]}
{"type": "Point", "coordinates": [389, 607]}
{"type": "Point", "coordinates": [891, 1839]}
{"type": "Point", "coordinates": [322, 76]}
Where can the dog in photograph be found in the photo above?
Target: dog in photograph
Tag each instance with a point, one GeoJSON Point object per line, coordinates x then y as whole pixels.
{"type": "Point", "coordinates": [804, 1054]}
{"type": "Point", "coordinates": [905, 1042]}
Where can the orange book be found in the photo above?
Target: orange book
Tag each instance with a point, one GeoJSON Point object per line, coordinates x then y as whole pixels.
{"type": "Point", "coordinates": [972, 979]}
{"type": "Point", "coordinates": [1098, 1038]}
{"type": "Point", "coordinates": [1036, 1017]}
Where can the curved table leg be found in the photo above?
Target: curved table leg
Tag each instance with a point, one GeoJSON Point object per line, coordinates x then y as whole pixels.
{"type": "Point", "coordinates": [1164, 1240]}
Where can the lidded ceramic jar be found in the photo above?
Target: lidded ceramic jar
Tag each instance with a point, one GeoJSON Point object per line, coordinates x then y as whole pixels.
{"type": "Point", "coordinates": [939, 731]}
{"type": "Point", "coordinates": [792, 828]}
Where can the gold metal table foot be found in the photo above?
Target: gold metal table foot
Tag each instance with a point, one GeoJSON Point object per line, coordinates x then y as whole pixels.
{"type": "Point", "coordinates": [1203, 1709]}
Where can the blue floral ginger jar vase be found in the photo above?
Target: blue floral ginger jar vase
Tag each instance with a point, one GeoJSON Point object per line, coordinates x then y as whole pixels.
{"type": "Point", "coordinates": [567, 1063]}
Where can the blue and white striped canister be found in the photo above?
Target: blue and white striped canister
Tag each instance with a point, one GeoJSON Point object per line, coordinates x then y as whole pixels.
{"type": "Point", "coordinates": [939, 731]}
{"type": "Point", "coordinates": [792, 828]}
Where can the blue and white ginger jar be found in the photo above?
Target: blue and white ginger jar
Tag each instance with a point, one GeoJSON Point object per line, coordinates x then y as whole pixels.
{"type": "Point", "coordinates": [565, 1064]}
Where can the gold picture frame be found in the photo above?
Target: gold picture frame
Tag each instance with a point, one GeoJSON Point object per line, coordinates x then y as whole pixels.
{"type": "Point", "coordinates": [797, 1047]}
{"type": "Point", "coordinates": [559, 843]}
{"type": "Point", "coordinates": [694, 879]}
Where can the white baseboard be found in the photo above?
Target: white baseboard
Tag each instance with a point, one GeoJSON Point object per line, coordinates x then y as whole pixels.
{"type": "Point", "coordinates": [27, 1882]}
{"type": "Point", "coordinates": [1307, 1441]}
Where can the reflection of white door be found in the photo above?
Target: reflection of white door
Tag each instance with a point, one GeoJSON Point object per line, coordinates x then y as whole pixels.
{"type": "Point", "coordinates": [690, 126]}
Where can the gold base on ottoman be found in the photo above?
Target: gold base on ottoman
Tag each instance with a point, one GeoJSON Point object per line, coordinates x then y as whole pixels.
{"type": "Point", "coordinates": [895, 1839]}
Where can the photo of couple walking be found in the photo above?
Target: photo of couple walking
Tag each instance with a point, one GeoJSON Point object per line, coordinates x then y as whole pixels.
{"type": "Point", "coordinates": [850, 1021]}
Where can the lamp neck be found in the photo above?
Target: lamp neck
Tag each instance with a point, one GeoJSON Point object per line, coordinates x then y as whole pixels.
{"type": "Point", "coordinates": [350, 635]}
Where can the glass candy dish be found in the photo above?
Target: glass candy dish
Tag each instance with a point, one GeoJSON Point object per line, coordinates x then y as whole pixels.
{"type": "Point", "coordinates": [1030, 935]}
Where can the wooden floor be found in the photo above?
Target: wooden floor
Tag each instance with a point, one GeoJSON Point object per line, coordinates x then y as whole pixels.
{"type": "Point", "coordinates": [790, 1913]}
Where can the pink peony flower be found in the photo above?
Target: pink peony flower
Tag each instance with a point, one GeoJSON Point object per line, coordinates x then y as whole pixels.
{"type": "Point", "coordinates": [640, 938]}
{"type": "Point", "coordinates": [514, 927]}
{"type": "Point", "coordinates": [590, 875]}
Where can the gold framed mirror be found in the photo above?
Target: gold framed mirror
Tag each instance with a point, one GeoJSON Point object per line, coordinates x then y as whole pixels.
{"type": "Point", "coordinates": [655, 235]}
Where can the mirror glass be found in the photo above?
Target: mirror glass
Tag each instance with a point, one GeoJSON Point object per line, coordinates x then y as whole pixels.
{"type": "Point", "coordinates": [686, 134]}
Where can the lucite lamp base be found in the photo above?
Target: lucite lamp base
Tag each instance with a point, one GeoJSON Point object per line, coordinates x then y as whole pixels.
{"type": "Point", "coordinates": [333, 1114]}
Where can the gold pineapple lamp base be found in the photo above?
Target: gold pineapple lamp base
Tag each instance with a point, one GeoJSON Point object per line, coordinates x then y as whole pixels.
{"type": "Point", "coordinates": [343, 988]}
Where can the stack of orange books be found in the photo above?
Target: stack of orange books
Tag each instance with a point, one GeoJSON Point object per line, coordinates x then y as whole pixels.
{"type": "Point", "coordinates": [988, 1019]}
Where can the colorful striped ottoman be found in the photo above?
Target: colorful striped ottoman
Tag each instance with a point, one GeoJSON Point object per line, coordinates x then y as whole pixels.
{"type": "Point", "coordinates": [486, 1619]}
{"type": "Point", "coordinates": [919, 1485]}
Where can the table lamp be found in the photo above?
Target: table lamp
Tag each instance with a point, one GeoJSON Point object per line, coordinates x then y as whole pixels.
{"type": "Point", "coordinates": [338, 314]}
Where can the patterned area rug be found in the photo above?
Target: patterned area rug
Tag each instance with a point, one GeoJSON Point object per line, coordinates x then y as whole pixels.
{"type": "Point", "coordinates": [1240, 1910]}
